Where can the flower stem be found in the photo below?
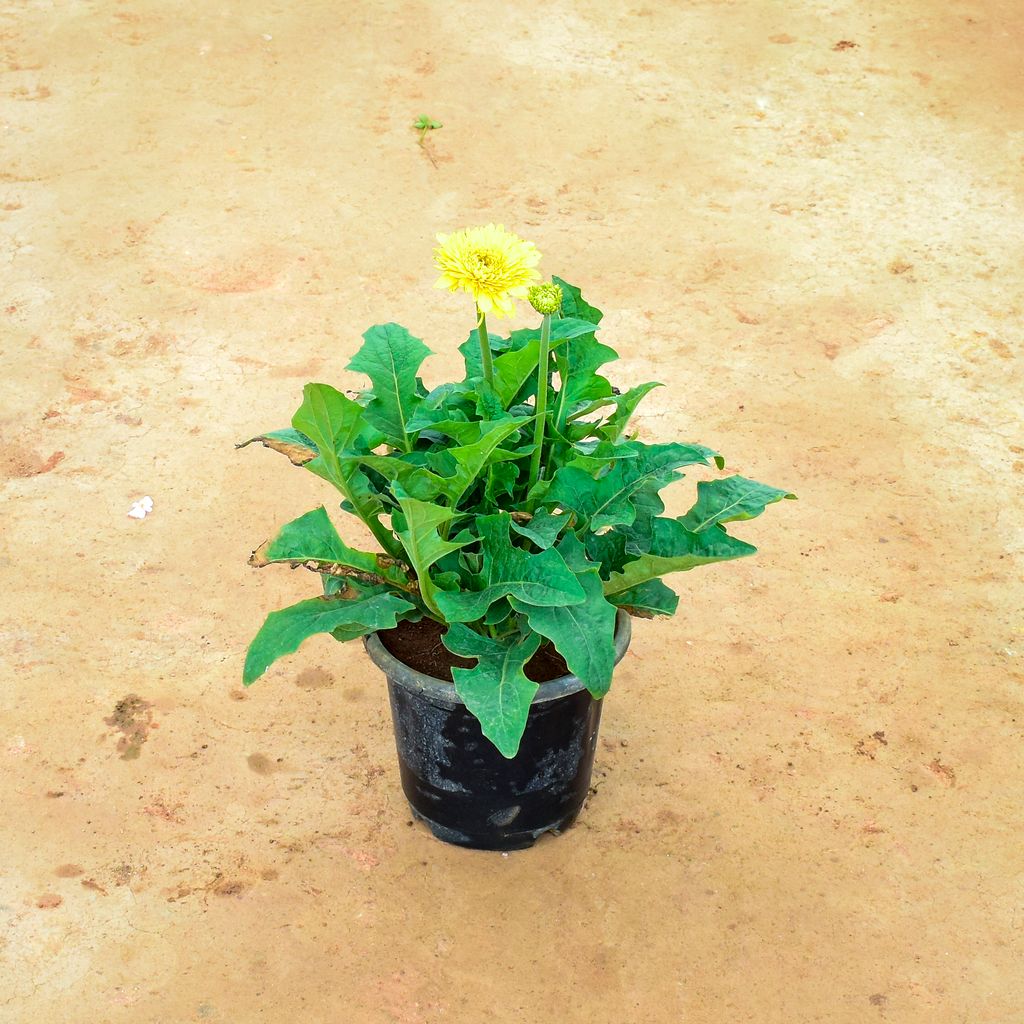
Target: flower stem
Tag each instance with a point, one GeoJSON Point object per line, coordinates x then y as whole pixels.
{"type": "Point", "coordinates": [562, 364]}
{"type": "Point", "coordinates": [485, 346]}
{"type": "Point", "coordinates": [543, 368]}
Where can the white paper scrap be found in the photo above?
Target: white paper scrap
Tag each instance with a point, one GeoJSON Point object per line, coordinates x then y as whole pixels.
{"type": "Point", "coordinates": [141, 508]}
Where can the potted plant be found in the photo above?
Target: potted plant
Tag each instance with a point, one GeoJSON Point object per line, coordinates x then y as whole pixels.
{"type": "Point", "coordinates": [520, 526]}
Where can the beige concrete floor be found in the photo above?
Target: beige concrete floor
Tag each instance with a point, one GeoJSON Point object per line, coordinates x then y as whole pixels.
{"type": "Point", "coordinates": [804, 217]}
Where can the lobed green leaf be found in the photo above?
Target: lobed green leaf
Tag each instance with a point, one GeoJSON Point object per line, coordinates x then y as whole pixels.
{"type": "Point", "coordinates": [574, 305]}
{"type": "Point", "coordinates": [584, 634]}
{"type": "Point", "coordinates": [542, 528]}
{"type": "Point", "coordinates": [625, 405]}
{"type": "Point", "coordinates": [313, 538]}
{"type": "Point", "coordinates": [676, 549]}
{"type": "Point", "coordinates": [356, 609]}
{"type": "Point", "coordinates": [647, 599]}
{"type": "Point", "coordinates": [338, 427]}
{"type": "Point", "coordinates": [507, 571]}
{"type": "Point", "coordinates": [391, 357]}
{"type": "Point", "coordinates": [496, 690]}
{"type": "Point", "coordinates": [460, 467]}
{"type": "Point", "coordinates": [730, 499]}
{"type": "Point", "coordinates": [608, 499]}
{"type": "Point", "coordinates": [423, 545]}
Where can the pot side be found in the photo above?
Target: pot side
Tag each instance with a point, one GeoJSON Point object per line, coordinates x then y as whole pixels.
{"type": "Point", "coordinates": [458, 783]}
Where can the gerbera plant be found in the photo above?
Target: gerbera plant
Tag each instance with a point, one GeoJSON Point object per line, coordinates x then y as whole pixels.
{"type": "Point", "coordinates": [514, 507]}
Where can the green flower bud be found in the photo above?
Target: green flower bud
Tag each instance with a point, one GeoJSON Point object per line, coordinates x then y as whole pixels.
{"type": "Point", "coordinates": [546, 298]}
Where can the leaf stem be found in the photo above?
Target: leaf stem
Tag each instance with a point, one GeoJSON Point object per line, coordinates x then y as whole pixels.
{"type": "Point", "coordinates": [485, 346]}
{"type": "Point", "coordinates": [543, 366]}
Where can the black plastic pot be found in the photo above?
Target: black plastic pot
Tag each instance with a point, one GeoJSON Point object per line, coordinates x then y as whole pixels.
{"type": "Point", "coordinates": [458, 783]}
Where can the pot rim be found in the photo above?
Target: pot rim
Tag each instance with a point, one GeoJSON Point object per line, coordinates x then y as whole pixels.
{"type": "Point", "coordinates": [442, 692]}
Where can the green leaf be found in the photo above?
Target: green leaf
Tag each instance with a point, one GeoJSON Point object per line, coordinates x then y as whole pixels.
{"type": "Point", "coordinates": [463, 431]}
{"type": "Point", "coordinates": [584, 634]}
{"type": "Point", "coordinates": [313, 538]}
{"type": "Point", "coordinates": [333, 585]}
{"type": "Point", "coordinates": [730, 499]}
{"type": "Point", "coordinates": [461, 466]}
{"type": "Point", "coordinates": [337, 426]}
{"type": "Point", "coordinates": [536, 493]}
{"type": "Point", "coordinates": [445, 403]}
{"type": "Point", "coordinates": [580, 359]}
{"type": "Point", "coordinates": [391, 357]}
{"type": "Point", "coordinates": [574, 305]}
{"type": "Point", "coordinates": [356, 608]}
{"type": "Point", "coordinates": [648, 504]}
{"type": "Point", "coordinates": [495, 690]}
{"type": "Point", "coordinates": [625, 405]}
{"type": "Point", "coordinates": [608, 549]}
{"type": "Point", "coordinates": [497, 614]}
{"type": "Point", "coordinates": [676, 549]}
{"type": "Point", "coordinates": [502, 478]}
{"type": "Point", "coordinates": [647, 600]}
{"type": "Point", "coordinates": [515, 369]}
{"type": "Point", "coordinates": [579, 363]}
{"type": "Point", "coordinates": [489, 405]}
{"type": "Point", "coordinates": [567, 328]}
{"type": "Point", "coordinates": [543, 529]}
{"type": "Point", "coordinates": [422, 543]}
{"type": "Point", "coordinates": [417, 481]}
{"type": "Point", "coordinates": [293, 443]}
{"type": "Point", "coordinates": [541, 579]}
{"type": "Point", "coordinates": [606, 500]}
{"type": "Point", "coordinates": [595, 457]}
{"type": "Point", "coordinates": [563, 329]}
{"type": "Point", "coordinates": [471, 356]}
{"type": "Point", "coordinates": [353, 632]}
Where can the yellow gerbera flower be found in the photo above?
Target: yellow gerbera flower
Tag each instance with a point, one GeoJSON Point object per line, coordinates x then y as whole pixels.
{"type": "Point", "coordinates": [492, 264]}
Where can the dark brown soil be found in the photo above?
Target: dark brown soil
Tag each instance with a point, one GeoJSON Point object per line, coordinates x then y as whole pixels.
{"type": "Point", "coordinates": [419, 645]}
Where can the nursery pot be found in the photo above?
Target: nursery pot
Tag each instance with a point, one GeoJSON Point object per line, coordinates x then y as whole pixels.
{"type": "Point", "coordinates": [458, 783]}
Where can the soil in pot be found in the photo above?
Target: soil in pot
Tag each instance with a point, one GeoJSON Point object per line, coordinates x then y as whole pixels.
{"type": "Point", "coordinates": [419, 645]}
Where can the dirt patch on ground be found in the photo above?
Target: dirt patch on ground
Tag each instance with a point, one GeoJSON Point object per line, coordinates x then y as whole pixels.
{"type": "Point", "coordinates": [133, 718]}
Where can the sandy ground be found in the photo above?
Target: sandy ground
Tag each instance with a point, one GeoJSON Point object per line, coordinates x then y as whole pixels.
{"type": "Point", "coordinates": [805, 218]}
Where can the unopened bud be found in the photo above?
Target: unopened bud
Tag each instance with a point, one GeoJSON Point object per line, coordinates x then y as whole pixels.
{"type": "Point", "coordinates": [546, 298]}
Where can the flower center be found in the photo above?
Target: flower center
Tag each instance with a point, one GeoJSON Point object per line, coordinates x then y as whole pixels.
{"type": "Point", "coordinates": [486, 261]}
